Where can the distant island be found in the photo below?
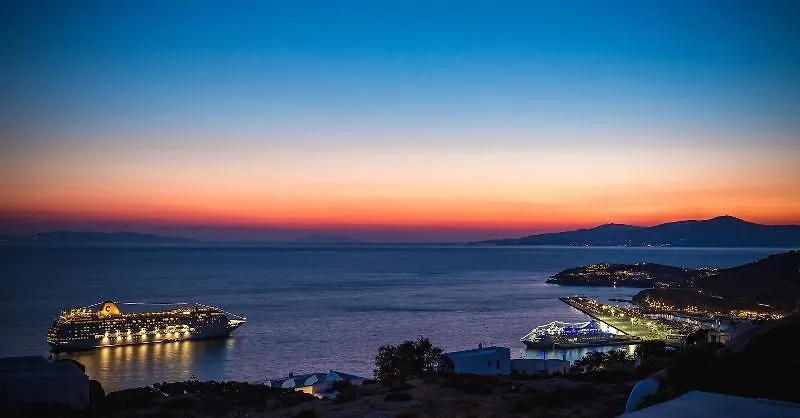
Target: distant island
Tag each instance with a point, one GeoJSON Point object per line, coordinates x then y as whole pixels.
{"type": "Point", "coordinates": [629, 275]}
{"type": "Point", "coordinates": [722, 231]}
{"type": "Point", "coordinates": [77, 238]}
{"type": "Point", "coordinates": [93, 238]}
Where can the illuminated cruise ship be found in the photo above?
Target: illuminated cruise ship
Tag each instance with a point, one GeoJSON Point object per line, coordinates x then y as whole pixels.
{"type": "Point", "coordinates": [84, 328]}
{"type": "Point", "coordinates": [566, 335]}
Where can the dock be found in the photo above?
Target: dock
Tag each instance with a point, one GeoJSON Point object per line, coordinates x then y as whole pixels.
{"type": "Point", "coordinates": [626, 320]}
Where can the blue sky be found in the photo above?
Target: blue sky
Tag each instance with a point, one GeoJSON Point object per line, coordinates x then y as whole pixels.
{"type": "Point", "coordinates": [252, 66]}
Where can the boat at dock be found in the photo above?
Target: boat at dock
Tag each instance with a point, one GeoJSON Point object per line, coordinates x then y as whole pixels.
{"type": "Point", "coordinates": [572, 335]}
{"type": "Point", "coordinates": [107, 326]}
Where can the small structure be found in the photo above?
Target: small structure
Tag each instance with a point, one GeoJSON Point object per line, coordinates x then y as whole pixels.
{"type": "Point", "coordinates": [317, 384]}
{"type": "Point", "coordinates": [539, 366]}
{"type": "Point", "coordinates": [482, 361]}
{"type": "Point", "coordinates": [695, 404]}
{"type": "Point", "coordinates": [34, 380]}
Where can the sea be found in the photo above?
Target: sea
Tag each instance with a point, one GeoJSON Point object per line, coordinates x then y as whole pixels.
{"type": "Point", "coordinates": [310, 308]}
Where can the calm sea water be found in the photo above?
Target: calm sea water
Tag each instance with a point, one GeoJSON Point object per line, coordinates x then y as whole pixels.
{"type": "Point", "coordinates": [309, 308]}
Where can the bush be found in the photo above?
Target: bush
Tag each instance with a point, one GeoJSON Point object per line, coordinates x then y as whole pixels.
{"type": "Point", "coordinates": [398, 397]}
{"type": "Point", "coordinates": [406, 360]}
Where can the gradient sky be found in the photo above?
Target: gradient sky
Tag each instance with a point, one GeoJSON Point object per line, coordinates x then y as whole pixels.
{"type": "Point", "coordinates": [396, 120]}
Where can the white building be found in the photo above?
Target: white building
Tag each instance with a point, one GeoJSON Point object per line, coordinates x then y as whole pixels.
{"type": "Point", "coordinates": [482, 361]}
{"type": "Point", "coordinates": [540, 366]}
{"type": "Point", "coordinates": [317, 384]}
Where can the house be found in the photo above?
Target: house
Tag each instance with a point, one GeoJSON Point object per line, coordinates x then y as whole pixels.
{"type": "Point", "coordinates": [311, 383]}
{"type": "Point", "coordinates": [317, 384]}
{"type": "Point", "coordinates": [34, 380]}
{"type": "Point", "coordinates": [482, 361]}
{"type": "Point", "coordinates": [354, 380]}
{"type": "Point", "coordinates": [540, 366]}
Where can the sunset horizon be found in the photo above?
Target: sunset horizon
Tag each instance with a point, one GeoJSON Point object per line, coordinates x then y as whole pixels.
{"type": "Point", "coordinates": [380, 120]}
{"type": "Point", "coordinates": [255, 233]}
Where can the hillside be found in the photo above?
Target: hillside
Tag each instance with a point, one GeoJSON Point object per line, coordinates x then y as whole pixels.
{"type": "Point", "coordinates": [773, 281]}
{"type": "Point", "coordinates": [722, 231]}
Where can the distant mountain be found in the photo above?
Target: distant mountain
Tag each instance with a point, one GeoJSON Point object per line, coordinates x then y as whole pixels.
{"type": "Point", "coordinates": [93, 238]}
{"type": "Point", "coordinates": [326, 239]}
{"type": "Point", "coordinates": [722, 231]}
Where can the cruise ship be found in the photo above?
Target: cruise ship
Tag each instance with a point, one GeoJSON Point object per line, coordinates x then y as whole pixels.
{"type": "Point", "coordinates": [567, 335]}
{"type": "Point", "coordinates": [90, 327]}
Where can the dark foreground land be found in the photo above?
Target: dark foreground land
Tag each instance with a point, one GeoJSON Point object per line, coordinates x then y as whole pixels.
{"type": "Point", "coordinates": [601, 394]}
{"type": "Point", "coordinates": [757, 364]}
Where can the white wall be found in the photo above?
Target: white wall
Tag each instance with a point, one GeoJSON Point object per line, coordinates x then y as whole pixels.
{"type": "Point", "coordinates": [489, 361]}
{"type": "Point", "coordinates": [536, 366]}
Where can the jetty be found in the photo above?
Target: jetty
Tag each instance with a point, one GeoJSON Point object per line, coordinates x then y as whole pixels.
{"type": "Point", "coordinates": [627, 320]}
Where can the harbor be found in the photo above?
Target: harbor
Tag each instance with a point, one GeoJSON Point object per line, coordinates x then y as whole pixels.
{"type": "Point", "coordinates": [630, 322]}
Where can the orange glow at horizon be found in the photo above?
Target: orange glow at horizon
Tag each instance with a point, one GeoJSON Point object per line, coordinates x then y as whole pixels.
{"type": "Point", "coordinates": [245, 184]}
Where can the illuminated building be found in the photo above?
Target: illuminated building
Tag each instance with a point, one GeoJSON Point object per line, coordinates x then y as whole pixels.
{"type": "Point", "coordinates": [84, 328]}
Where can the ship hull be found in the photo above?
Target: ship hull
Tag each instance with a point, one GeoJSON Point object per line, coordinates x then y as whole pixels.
{"type": "Point", "coordinates": [539, 345]}
{"type": "Point", "coordinates": [151, 338]}
{"type": "Point", "coordinates": [92, 343]}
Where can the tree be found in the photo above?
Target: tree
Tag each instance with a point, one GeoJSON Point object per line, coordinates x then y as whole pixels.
{"type": "Point", "coordinates": [699, 336]}
{"type": "Point", "coordinates": [406, 360]}
{"type": "Point", "coordinates": [595, 359]}
{"type": "Point", "coordinates": [617, 356]}
{"type": "Point", "coordinates": [592, 359]}
{"type": "Point", "coordinates": [649, 348]}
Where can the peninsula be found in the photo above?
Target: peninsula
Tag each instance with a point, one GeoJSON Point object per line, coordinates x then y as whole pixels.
{"type": "Point", "coordinates": [629, 275]}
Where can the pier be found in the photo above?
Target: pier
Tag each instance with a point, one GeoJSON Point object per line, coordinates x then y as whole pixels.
{"type": "Point", "coordinates": [626, 320]}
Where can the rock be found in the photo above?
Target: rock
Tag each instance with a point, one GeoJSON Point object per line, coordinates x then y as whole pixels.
{"type": "Point", "coordinates": [97, 398]}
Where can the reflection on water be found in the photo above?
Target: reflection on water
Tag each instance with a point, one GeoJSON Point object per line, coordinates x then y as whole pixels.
{"type": "Point", "coordinates": [136, 365]}
{"type": "Point", "coordinates": [573, 354]}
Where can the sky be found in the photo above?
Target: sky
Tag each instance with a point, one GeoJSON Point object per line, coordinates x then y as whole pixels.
{"type": "Point", "coordinates": [396, 121]}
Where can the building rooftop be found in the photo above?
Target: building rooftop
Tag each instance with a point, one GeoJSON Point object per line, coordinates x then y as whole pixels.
{"type": "Point", "coordinates": [476, 351]}
{"type": "Point", "coordinates": [697, 404]}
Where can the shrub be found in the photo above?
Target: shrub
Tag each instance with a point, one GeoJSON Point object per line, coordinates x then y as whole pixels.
{"type": "Point", "coordinates": [406, 360]}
